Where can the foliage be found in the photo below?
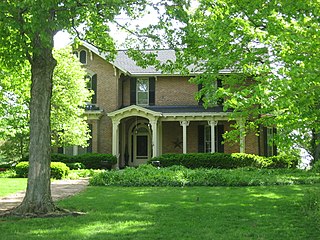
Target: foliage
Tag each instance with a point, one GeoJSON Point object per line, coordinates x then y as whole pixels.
{"type": "Point", "coordinates": [316, 167]}
{"type": "Point", "coordinates": [224, 161]}
{"type": "Point", "coordinates": [82, 173]}
{"type": "Point", "coordinates": [267, 56]}
{"type": "Point", "coordinates": [95, 160]}
{"type": "Point", "coordinates": [28, 31]}
{"type": "Point", "coordinates": [11, 173]}
{"type": "Point", "coordinates": [69, 97]}
{"type": "Point", "coordinates": [87, 160]}
{"type": "Point", "coordinates": [58, 170]}
{"type": "Point", "coordinates": [147, 175]}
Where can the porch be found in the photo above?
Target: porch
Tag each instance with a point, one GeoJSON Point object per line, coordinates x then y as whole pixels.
{"type": "Point", "coordinates": [140, 133]}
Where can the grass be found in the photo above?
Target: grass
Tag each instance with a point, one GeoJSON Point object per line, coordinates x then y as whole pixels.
{"type": "Point", "coordinates": [12, 185]}
{"type": "Point", "coordinates": [272, 212]}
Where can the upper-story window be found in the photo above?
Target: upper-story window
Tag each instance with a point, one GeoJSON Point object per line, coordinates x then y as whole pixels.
{"type": "Point", "coordinates": [92, 85]}
{"type": "Point", "coordinates": [82, 55]}
{"type": "Point", "coordinates": [142, 91]}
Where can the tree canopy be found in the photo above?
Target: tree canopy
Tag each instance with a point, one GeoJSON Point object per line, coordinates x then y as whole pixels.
{"type": "Point", "coordinates": [69, 97]}
{"type": "Point", "coordinates": [27, 34]}
{"type": "Point", "coordinates": [267, 55]}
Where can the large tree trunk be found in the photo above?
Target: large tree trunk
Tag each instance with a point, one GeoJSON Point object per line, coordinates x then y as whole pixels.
{"type": "Point", "coordinates": [38, 200]}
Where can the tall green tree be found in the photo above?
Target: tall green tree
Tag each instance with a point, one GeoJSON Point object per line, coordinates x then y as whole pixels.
{"type": "Point", "coordinates": [271, 52]}
{"type": "Point", "coordinates": [27, 31]}
{"type": "Point", "coordinates": [69, 97]}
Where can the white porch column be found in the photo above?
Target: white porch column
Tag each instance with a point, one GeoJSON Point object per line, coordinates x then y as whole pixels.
{"type": "Point", "coordinates": [213, 124]}
{"type": "Point", "coordinates": [160, 137]}
{"type": "Point", "coordinates": [242, 136]}
{"type": "Point", "coordinates": [184, 125]}
{"type": "Point", "coordinates": [155, 144]}
{"type": "Point", "coordinates": [115, 140]}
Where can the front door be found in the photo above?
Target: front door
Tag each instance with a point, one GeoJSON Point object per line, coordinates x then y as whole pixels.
{"type": "Point", "coordinates": [141, 145]}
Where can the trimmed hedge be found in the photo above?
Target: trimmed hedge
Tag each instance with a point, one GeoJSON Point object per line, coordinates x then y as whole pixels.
{"type": "Point", "coordinates": [179, 176]}
{"type": "Point", "coordinates": [59, 170]}
{"type": "Point", "coordinates": [87, 160]}
{"type": "Point", "coordinates": [223, 161]}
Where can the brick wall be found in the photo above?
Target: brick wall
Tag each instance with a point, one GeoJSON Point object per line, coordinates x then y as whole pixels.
{"type": "Point", "coordinates": [107, 98]}
{"type": "Point", "coordinates": [175, 91]}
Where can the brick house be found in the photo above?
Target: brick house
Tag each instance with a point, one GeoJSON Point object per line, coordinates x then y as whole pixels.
{"type": "Point", "coordinates": [139, 113]}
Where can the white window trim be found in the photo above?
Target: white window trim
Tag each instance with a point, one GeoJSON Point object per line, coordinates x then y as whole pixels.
{"type": "Point", "coordinates": [137, 92]}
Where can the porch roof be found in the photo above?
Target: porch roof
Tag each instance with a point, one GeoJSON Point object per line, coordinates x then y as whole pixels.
{"type": "Point", "coordinates": [171, 113]}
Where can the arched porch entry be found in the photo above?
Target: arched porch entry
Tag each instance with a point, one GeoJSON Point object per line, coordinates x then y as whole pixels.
{"type": "Point", "coordinates": [136, 135]}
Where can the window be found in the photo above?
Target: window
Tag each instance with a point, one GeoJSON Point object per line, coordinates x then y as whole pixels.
{"type": "Point", "coordinates": [142, 91]}
{"type": "Point", "coordinates": [92, 85]}
{"type": "Point", "coordinates": [204, 138]}
{"type": "Point", "coordinates": [82, 55]}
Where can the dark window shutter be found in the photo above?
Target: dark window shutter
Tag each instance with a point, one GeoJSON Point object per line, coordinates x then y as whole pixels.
{"type": "Point", "coordinates": [219, 83]}
{"type": "Point", "coordinates": [200, 138]}
{"type": "Point", "coordinates": [94, 88]}
{"type": "Point", "coordinates": [89, 148]}
{"type": "Point", "coordinates": [200, 103]}
{"type": "Point", "coordinates": [265, 141]}
{"type": "Point", "coordinates": [152, 86]}
{"type": "Point", "coordinates": [219, 132]}
{"type": "Point", "coordinates": [133, 86]}
{"type": "Point", "coordinates": [275, 150]}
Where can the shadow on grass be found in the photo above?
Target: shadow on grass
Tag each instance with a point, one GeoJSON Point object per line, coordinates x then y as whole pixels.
{"type": "Point", "coordinates": [174, 213]}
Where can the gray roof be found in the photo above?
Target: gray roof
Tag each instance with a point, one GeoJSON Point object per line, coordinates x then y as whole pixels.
{"type": "Point", "coordinates": [124, 63]}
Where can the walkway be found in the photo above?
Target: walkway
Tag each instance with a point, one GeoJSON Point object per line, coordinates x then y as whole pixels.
{"type": "Point", "coordinates": [59, 189]}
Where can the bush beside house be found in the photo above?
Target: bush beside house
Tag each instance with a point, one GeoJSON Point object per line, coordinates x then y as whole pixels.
{"type": "Point", "coordinates": [224, 161]}
{"type": "Point", "coordinates": [59, 170]}
{"type": "Point", "coordinates": [82, 161]}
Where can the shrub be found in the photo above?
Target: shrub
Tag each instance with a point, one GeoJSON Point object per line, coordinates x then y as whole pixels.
{"type": "Point", "coordinates": [58, 170]}
{"type": "Point", "coordinates": [58, 157]}
{"type": "Point", "coordinates": [87, 160]}
{"type": "Point", "coordinates": [196, 160]}
{"type": "Point", "coordinates": [282, 161]}
{"type": "Point", "coordinates": [95, 160]}
{"type": "Point", "coordinates": [22, 169]}
{"type": "Point", "coordinates": [316, 167]}
{"type": "Point", "coordinates": [76, 166]}
{"type": "Point", "coordinates": [225, 161]}
{"type": "Point", "coordinates": [147, 175]}
{"type": "Point", "coordinates": [248, 160]}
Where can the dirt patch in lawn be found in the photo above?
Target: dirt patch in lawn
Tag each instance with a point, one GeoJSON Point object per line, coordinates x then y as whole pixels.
{"type": "Point", "coordinates": [59, 189]}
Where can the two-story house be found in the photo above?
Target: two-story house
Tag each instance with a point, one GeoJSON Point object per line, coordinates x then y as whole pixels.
{"type": "Point", "coordinates": [139, 113]}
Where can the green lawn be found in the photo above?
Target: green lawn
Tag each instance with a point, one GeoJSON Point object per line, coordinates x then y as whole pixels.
{"type": "Point", "coordinates": [174, 213]}
{"type": "Point", "coordinates": [11, 185]}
